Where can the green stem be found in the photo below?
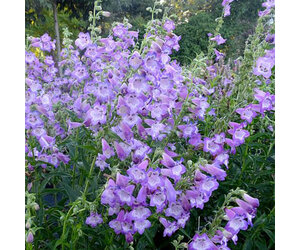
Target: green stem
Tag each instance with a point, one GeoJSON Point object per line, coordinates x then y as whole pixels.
{"type": "Point", "coordinates": [83, 197]}
{"type": "Point", "coordinates": [76, 156]}
{"type": "Point", "coordinates": [219, 215]}
{"type": "Point", "coordinates": [244, 163]}
{"type": "Point", "coordinates": [64, 227]}
{"type": "Point", "coordinates": [29, 246]}
{"type": "Point", "coordinates": [88, 178]}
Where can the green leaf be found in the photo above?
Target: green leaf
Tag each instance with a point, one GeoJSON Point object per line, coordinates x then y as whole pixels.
{"type": "Point", "coordinates": [88, 147]}
{"type": "Point", "coordinates": [73, 194]}
{"type": "Point", "coordinates": [149, 238]}
{"type": "Point", "coordinates": [248, 244]}
{"type": "Point", "coordinates": [261, 245]}
{"type": "Point", "coordinates": [270, 234]}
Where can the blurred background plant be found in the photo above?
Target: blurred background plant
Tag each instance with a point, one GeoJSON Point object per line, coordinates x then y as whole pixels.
{"type": "Point", "coordinates": [195, 18]}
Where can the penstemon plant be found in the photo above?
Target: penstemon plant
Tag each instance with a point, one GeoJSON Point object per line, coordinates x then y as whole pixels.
{"type": "Point", "coordinates": [128, 140]}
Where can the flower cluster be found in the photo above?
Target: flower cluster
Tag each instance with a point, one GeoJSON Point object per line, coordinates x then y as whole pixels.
{"type": "Point", "coordinates": [239, 218]}
{"type": "Point", "coordinates": [269, 4]}
{"type": "Point", "coordinates": [44, 43]}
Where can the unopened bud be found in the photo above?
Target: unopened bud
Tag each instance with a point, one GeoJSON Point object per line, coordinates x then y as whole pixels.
{"type": "Point", "coordinates": [29, 237]}
{"type": "Point", "coordinates": [106, 13]}
{"type": "Point", "coordinates": [189, 163]}
{"type": "Point", "coordinates": [36, 206]}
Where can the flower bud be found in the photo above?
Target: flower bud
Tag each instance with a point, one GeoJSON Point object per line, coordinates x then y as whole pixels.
{"type": "Point", "coordinates": [29, 237]}
{"type": "Point", "coordinates": [28, 224]}
{"type": "Point", "coordinates": [254, 202]}
{"type": "Point", "coordinates": [29, 186]}
{"type": "Point", "coordinates": [36, 206]}
{"type": "Point", "coordinates": [184, 245]}
{"type": "Point", "coordinates": [106, 13]}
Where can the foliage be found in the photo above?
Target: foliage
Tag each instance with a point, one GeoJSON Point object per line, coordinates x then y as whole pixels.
{"type": "Point", "coordinates": [194, 39]}
{"type": "Point", "coordinates": [74, 15]}
{"type": "Point", "coordinates": [73, 24]}
{"type": "Point", "coordinates": [195, 18]}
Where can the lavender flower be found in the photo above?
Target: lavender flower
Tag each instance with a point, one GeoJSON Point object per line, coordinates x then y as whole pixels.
{"type": "Point", "coordinates": [211, 146]}
{"type": "Point", "coordinates": [97, 114]}
{"type": "Point", "coordinates": [219, 40]}
{"type": "Point", "coordinates": [94, 219]}
{"type": "Point", "coordinates": [101, 163]}
{"type": "Point", "coordinates": [263, 67]}
{"type": "Point", "coordinates": [219, 55]}
{"type": "Point", "coordinates": [136, 60]}
{"type": "Point", "coordinates": [169, 25]}
{"type": "Point", "coordinates": [158, 200]}
{"type": "Point", "coordinates": [236, 222]}
{"type": "Point", "coordinates": [202, 242]}
{"type": "Point", "coordinates": [140, 213]}
{"type": "Point", "coordinates": [227, 10]}
{"type": "Point", "coordinates": [247, 113]}
{"type": "Point", "coordinates": [83, 40]}
{"type": "Point", "coordinates": [137, 174]}
{"type": "Point", "coordinates": [215, 171]}
{"type": "Point", "coordinates": [170, 227]}
{"type": "Point", "coordinates": [140, 226]}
